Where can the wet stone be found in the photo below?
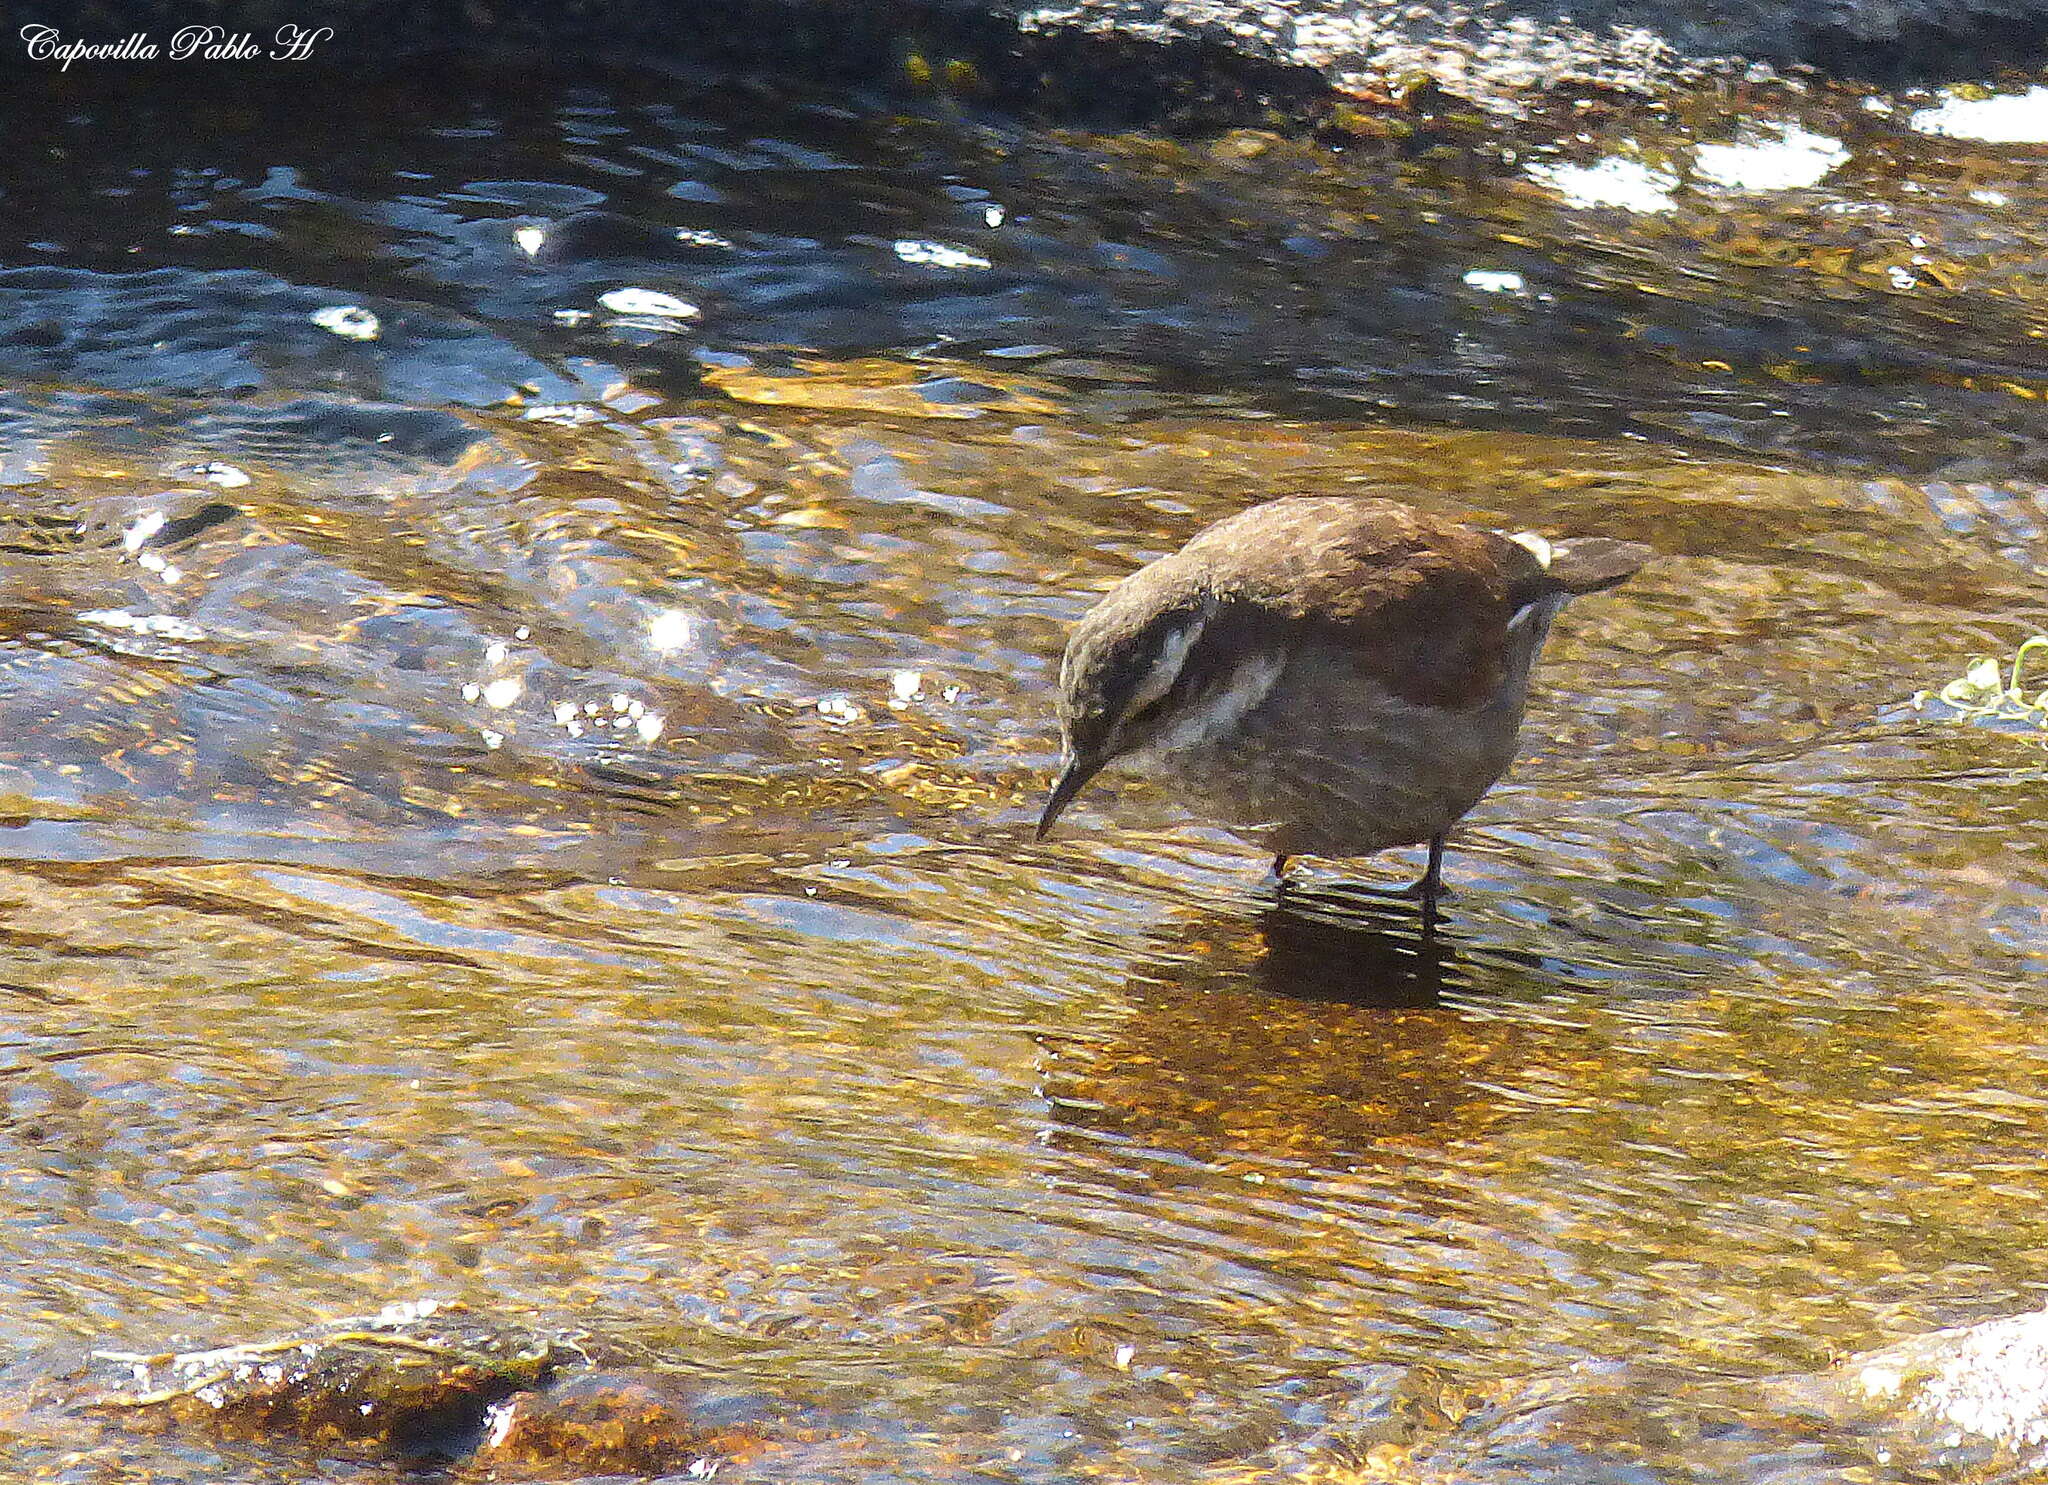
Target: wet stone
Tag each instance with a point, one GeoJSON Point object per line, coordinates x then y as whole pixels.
{"type": "Point", "coordinates": [400, 1385]}
{"type": "Point", "coordinates": [1969, 1398]}
{"type": "Point", "coordinates": [954, 389]}
{"type": "Point", "coordinates": [626, 1422]}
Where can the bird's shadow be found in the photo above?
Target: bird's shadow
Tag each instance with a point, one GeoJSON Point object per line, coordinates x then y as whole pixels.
{"type": "Point", "coordinates": [1354, 945]}
{"type": "Point", "coordinates": [1328, 1028]}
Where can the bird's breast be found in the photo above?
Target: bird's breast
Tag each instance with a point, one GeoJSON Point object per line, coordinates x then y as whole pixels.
{"type": "Point", "coordinates": [1309, 753]}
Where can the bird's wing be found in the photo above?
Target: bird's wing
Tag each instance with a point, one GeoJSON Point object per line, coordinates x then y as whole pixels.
{"type": "Point", "coordinates": [1422, 604]}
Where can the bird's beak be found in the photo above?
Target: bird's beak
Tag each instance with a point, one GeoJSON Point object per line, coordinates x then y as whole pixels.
{"type": "Point", "coordinates": [1075, 772]}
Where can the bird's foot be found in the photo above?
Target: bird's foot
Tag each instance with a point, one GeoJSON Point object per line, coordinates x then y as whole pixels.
{"type": "Point", "coordinates": [1429, 890]}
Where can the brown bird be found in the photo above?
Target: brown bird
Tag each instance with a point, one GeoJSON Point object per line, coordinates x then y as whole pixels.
{"type": "Point", "coordinates": [1325, 675]}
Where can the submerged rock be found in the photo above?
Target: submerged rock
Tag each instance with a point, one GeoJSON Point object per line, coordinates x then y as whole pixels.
{"type": "Point", "coordinates": [1965, 1398]}
{"type": "Point", "coordinates": [1970, 1403]}
{"type": "Point", "coordinates": [420, 1383]}
{"type": "Point", "coordinates": [611, 1423]}
{"type": "Point", "coordinates": [407, 1382]}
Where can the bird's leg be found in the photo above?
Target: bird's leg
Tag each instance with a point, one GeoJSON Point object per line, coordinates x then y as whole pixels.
{"type": "Point", "coordinates": [1429, 888]}
{"type": "Point", "coordinates": [1430, 885]}
{"type": "Point", "coordinates": [1280, 879]}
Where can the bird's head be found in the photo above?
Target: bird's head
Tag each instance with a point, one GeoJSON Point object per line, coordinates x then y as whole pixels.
{"type": "Point", "coordinates": [1124, 680]}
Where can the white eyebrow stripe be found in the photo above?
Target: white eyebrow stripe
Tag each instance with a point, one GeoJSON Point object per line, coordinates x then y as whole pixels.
{"type": "Point", "coordinates": [1173, 654]}
{"type": "Point", "coordinates": [1536, 546]}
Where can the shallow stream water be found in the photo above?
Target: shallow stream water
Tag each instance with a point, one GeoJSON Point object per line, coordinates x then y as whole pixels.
{"type": "Point", "coordinates": [523, 800]}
